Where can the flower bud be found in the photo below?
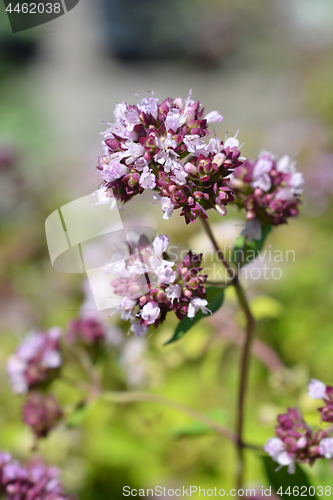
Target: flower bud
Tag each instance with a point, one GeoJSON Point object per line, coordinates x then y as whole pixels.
{"type": "Point", "coordinates": [191, 169]}
{"type": "Point", "coordinates": [219, 159]}
{"type": "Point", "coordinates": [221, 209]}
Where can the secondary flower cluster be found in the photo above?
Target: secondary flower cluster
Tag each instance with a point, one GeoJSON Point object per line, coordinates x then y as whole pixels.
{"type": "Point", "coordinates": [295, 441]}
{"type": "Point", "coordinates": [86, 331]}
{"type": "Point", "coordinates": [41, 413]}
{"type": "Point", "coordinates": [36, 362]}
{"type": "Point", "coordinates": [31, 482]}
{"type": "Point", "coordinates": [161, 147]}
{"type": "Point", "coordinates": [32, 368]}
{"type": "Point", "coordinates": [149, 287]}
{"type": "Point", "coordinates": [269, 190]}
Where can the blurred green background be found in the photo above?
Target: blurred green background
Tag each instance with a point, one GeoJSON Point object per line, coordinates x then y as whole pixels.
{"type": "Point", "coordinates": [266, 65]}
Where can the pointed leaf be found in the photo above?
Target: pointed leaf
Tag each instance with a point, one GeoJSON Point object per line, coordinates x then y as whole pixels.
{"type": "Point", "coordinates": [215, 296]}
{"type": "Point", "coordinates": [282, 479]}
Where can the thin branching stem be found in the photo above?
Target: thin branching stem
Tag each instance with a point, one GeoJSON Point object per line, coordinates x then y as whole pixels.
{"type": "Point", "coordinates": [134, 396]}
{"type": "Point", "coordinates": [245, 357]}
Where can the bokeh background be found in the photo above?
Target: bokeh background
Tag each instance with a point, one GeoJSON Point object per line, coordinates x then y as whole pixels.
{"type": "Point", "coordinates": [266, 65]}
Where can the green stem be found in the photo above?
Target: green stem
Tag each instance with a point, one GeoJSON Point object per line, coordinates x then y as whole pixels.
{"type": "Point", "coordinates": [130, 397]}
{"type": "Point", "coordinates": [244, 369]}
{"type": "Point", "coordinates": [245, 357]}
{"type": "Point", "coordinates": [230, 269]}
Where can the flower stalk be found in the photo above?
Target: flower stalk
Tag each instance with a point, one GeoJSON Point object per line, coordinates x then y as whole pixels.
{"type": "Point", "coordinates": [246, 352]}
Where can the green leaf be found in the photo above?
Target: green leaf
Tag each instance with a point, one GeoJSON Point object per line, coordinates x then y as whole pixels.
{"type": "Point", "coordinates": [282, 478]}
{"type": "Point", "coordinates": [251, 250]}
{"type": "Point", "coordinates": [215, 296]}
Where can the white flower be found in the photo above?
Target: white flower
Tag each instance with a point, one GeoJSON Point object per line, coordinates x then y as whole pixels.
{"type": "Point", "coordinates": [51, 358]}
{"type": "Point", "coordinates": [169, 141]}
{"type": "Point", "coordinates": [132, 358]}
{"type": "Point", "coordinates": [179, 176]}
{"type": "Point", "coordinates": [134, 151]}
{"type": "Point", "coordinates": [31, 345]}
{"type": "Point", "coordinates": [213, 117]}
{"type": "Point", "coordinates": [260, 175]}
{"type": "Point", "coordinates": [140, 164]}
{"type": "Point", "coordinates": [119, 111]}
{"type": "Point", "coordinates": [150, 312]}
{"type": "Point", "coordinates": [195, 145]}
{"type": "Point", "coordinates": [173, 292]}
{"type": "Point", "coordinates": [172, 163]}
{"type": "Point", "coordinates": [195, 304]}
{"type": "Point", "coordinates": [137, 267]}
{"type": "Point", "coordinates": [149, 105]}
{"type": "Point", "coordinates": [118, 268]}
{"type": "Point", "coordinates": [167, 207]}
{"type": "Point", "coordinates": [285, 459]}
{"type": "Point", "coordinates": [139, 329]}
{"type": "Point", "coordinates": [15, 370]}
{"type": "Point", "coordinates": [326, 447]}
{"type": "Point", "coordinates": [274, 447]}
{"type": "Point", "coordinates": [160, 267]}
{"type": "Point", "coordinates": [214, 146]}
{"type": "Point", "coordinates": [295, 188]}
{"type": "Point", "coordinates": [285, 165]}
{"type": "Point", "coordinates": [263, 182]}
{"type": "Point", "coordinates": [125, 119]}
{"type": "Point", "coordinates": [165, 274]}
{"type": "Point", "coordinates": [160, 244]}
{"type": "Point", "coordinates": [174, 120]}
{"type": "Point", "coordinates": [114, 170]}
{"type": "Point", "coordinates": [126, 307]}
{"type": "Point", "coordinates": [232, 142]}
{"type": "Point", "coordinates": [317, 389]}
{"type": "Point", "coordinates": [147, 179]}
{"type": "Point", "coordinates": [285, 194]}
{"type": "Point", "coordinates": [296, 182]}
{"type": "Point", "coordinates": [114, 336]}
{"type": "Point", "coordinates": [252, 230]}
{"type": "Point", "coordinates": [104, 198]}
{"type": "Point", "coordinates": [166, 155]}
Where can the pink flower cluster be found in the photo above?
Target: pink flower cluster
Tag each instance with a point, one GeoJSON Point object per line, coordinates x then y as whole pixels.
{"type": "Point", "coordinates": [36, 362]}
{"type": "Point", "coordinates": [269, 190]}
{"type": "Point", "coordinates": [35, 481]}
{"type": "Point", "coordinates": [86, 331]}
{"type": "Point", "coordinates": [149, 287]}
{"type": "Point", "coordinates": [41, 413]}
{"type": "Point", "coordinates": [295, 441]}
{"type": "Point", "coordinates": [34, 365]}
{"type": "Point", "coordinates": [161, 147]}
